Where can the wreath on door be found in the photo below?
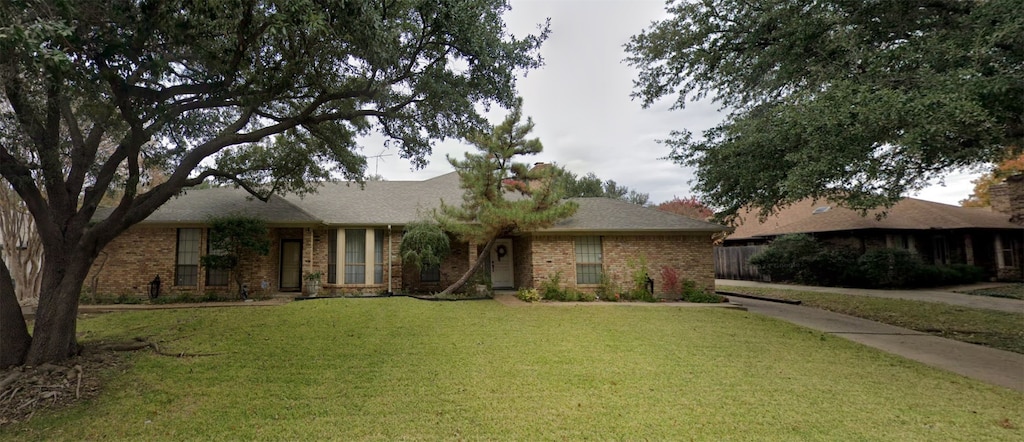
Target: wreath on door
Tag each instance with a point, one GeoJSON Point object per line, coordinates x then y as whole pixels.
{"type": "Point", "coordinates": [501, 251]}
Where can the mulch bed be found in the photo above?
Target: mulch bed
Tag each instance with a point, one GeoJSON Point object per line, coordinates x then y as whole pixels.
{"type": "Point", "coordinates": [26, 390]}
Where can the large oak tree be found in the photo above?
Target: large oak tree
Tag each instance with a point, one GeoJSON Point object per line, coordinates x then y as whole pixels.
{"type": "Point", "coordinates": [268, 95]}
{"type": "Point", "coordinates": [857, 101]}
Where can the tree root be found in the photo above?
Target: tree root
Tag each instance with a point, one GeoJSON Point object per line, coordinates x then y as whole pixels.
{"type": "Point", "coordinates": [141, 343]}
{"type": "Point", "coordinates": [9, 379]}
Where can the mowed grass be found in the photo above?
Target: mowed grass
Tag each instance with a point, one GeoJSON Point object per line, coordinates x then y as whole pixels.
{"type": "Point", "coordinates": [1012, 291]}
{"type": "Point", "coordinates": [996, 329]}
{"type": "Point", "coordinates": [403, 369]}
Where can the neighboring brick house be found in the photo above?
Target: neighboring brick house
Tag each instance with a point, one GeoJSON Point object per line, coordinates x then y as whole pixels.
{"type": "Point", "coordinates": [352, 235]}
{"type": "Point", "coordinates": [940, 233]}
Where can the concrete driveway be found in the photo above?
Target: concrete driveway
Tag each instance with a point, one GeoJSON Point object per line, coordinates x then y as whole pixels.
{"type": "Point", "coordinates": [926, 295]}
{"type": "Point", "coordinates": [998, 367]}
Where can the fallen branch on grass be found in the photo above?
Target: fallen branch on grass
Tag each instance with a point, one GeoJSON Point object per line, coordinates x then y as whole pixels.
{"type": "Point", "coordinates": [140, 344]}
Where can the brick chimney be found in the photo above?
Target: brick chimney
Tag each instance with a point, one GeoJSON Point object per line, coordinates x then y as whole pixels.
{"type": "Point", "coordinates": [1008, 197]}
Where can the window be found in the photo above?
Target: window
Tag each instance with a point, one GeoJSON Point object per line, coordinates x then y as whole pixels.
{"type": "Point", "coordinates": [215, 277]}
{"type": "Point", "coordinates": [332, 256]}
{"type": "Point", "coordinates": [588, 260]}
{"type": "Point", "coordinates": [899, 241]}
{"type": "Point", "coordinates": [1006, 251]}
{"type": "Point", "coordinates": [940, 250]}
{"type": "Point", "coordinates": [186, 262]}
{"type": "Point", "coordinates": [362, 255]}
{"type": "Point", "coordinates": [430, 274]}
{"type": "Point", "coordinates": [355, 256]}
{"type": "Point", "coordinates": [378, 256]}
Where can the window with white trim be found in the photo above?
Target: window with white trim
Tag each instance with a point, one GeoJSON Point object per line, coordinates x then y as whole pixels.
{"type": "Point", "coordinates": [588, 260]}
{"type": "Point", "coordinates": [355, 256]}
{"type": "Point", "coordinates": [360, 257]}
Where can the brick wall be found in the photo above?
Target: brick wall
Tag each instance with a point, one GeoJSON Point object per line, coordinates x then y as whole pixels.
{"type": "Point", "coordinates": [553, 255]}
{"type": "Point", "coordinates": [141, 253]}
{"type": "Point", "coordinates": [132, 260]}
{"type": "Point", "coordinates": [456, 265]}
{"type": "Point", "coordinates": [522, 254]}
{"type": "Point", "coordinates": [128, 264]}
{"type": "Point", "coordinates": [691, 256]}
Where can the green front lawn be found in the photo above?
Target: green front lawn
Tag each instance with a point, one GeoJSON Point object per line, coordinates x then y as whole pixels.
{"type": "Point", "coordinates": [1003, 330]}
{"type": "Point", "coordinates": [1012, 291]}
{"type": "Point", "coordinates": [399, 368]}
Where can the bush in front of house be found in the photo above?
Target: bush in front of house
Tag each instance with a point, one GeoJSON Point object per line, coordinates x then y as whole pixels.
{"type": "Point", "coordinates": [607, 290]}
{"type": "Point", "coordinates": [830, 267]}
{"type": "Point", "coordinates": [639, 275]}
{"type": "Point", "coordinates": [528, 295]}
{"type": "Point", "coordinates": [899, 268]}
{"type": "Point", "coordinates": [551, 289]}
{"type": "Point", "coordinates": [890, 268]}
{"type": "Point", "coordinates": [692, 293]}
{"type": "Point", "coordinates": [801, 259]}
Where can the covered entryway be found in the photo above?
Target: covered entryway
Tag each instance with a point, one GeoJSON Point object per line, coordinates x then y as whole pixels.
{"type": "Point", "coordinates": [291, 265]}
{"type": "Point", "coordinates": [502, 270]}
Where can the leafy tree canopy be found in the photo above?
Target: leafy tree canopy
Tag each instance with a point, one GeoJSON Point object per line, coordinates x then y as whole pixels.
{"type": "Point", "coordinates": [689, 207]}
{"type": "Point", "coordinates": [856, 101]}
{"type": "Point", "coordinates": [570, 185]}
{"type": "Point", "coordinates": [501, 196]}
{"type": "Point", "coordinates": [267, 95]}
{"type": "Point", "coordinates": [234, 239]}
{"type": "Point", "coordinates": [424, 245]}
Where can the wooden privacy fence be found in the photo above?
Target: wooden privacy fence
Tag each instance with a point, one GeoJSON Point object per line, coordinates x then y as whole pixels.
{"type": "Point", "coordinates": [733, 262]}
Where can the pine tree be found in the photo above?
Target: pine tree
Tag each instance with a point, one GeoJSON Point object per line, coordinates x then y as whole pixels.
{"type": "Point", "coordinates": [502, 197]}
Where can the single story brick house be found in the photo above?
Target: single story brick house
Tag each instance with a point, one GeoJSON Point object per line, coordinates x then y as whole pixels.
{"type": "Point", "coordinates": [351, 235]}
{"type": "Point", "coordinates": [940, 234]}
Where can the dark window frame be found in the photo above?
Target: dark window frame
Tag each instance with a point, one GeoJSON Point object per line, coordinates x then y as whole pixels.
{"type": "Point", "coordinates": [187, 275]}
{"type": "Point", "coordinates": [216, 277]}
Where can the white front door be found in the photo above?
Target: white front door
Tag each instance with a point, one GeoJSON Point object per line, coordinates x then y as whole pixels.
{"type": "Point", "coordinates": [502, 272]}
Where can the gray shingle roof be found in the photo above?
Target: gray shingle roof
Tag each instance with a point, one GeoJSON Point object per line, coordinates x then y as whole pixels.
{"type": "Point", "coordinates": [379, 203]}
{"type": "Point", "coordinates": [198, 205]}
{"type": "Point", "coordinates": [609, 215]}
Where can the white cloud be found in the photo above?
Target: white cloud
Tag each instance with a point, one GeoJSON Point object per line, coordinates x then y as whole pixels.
{"type": "Point", "coordinates": [580, 102]}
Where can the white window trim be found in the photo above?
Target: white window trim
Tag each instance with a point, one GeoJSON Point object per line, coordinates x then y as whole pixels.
{"type": "Point", "coordinates": [368, 265]}
{"type": "Point", "coordinates": [599, 262]}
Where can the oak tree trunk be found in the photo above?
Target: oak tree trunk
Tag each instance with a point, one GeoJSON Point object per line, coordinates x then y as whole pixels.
{"type": "Point", "coordinates": [57, 315]}
{"type": "Point", "coordinates": [14, 338]}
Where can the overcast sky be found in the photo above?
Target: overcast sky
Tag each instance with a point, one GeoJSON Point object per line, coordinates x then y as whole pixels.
{"type": "Point", "coordinates": [582, 109]}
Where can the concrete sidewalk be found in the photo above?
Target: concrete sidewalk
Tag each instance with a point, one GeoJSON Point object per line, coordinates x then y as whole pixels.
{"type": "Point", "coordinates": [998, 367]}
{"type": "Point", "coordinates": [927, 295]}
